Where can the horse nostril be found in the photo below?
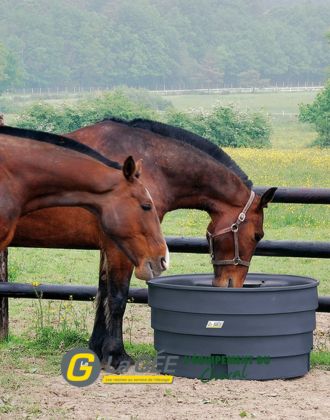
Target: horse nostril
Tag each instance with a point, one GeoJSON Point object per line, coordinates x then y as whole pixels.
{"type": "Point", "coordinates": [163, 263]}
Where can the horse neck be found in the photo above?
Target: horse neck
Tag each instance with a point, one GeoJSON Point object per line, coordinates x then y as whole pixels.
{"type": "Point", "coordinates": [45, 175]}
{"type": "Point", "coordinates": [197, 181]}
{"type": "Point", "coordinates": [176, 174]}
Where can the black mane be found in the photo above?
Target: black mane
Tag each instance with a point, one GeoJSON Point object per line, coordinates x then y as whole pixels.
{"type": "Point", "coordinates": [193, 139]}
{"type": "Point", "coordinates": [58, 140]}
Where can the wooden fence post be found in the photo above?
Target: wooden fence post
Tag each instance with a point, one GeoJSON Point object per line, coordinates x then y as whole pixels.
{"type": "Point", "coordinates": [4, 319]}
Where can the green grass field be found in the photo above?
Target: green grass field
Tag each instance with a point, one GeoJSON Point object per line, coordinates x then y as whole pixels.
{"type": "Point", "coordinates": [272, 102]}
{"type": "Point", "coordinates": [288, 163]}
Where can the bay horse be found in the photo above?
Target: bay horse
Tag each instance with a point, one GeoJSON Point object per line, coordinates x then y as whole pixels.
{"type": "Point", "coordinates": [181, 170]}
{"type": "Point", "coordinates": [40, 170]}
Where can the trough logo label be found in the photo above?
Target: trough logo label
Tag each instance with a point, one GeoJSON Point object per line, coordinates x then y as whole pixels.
{"type": "Point", "coordinates": [215, 324]}
{"type": "Point", "coordinates": [80, 367]}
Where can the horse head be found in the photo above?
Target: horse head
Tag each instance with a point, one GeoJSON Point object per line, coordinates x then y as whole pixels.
{"type": "Point", "coordinates": [234, 237]}
{"type": "Point", "coordinates": [132, 222]}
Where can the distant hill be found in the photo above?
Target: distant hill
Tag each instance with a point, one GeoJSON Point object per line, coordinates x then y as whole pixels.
{"type": "Point", "coordinates": [156, 43]}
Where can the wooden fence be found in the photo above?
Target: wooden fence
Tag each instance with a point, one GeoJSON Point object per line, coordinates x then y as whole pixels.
{"type": "Point", "coordinates": [305, 249]}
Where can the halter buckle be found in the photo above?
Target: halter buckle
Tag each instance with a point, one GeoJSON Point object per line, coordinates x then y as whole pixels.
{"type": "Point", "coordinates": [234, 227]}
{"type": "Point", "coordinates": [241, 217]}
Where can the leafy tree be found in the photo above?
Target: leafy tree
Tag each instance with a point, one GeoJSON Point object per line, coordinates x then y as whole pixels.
{"type": "Point", "coordinates": [10, 72]}
{"type": "Point", "coordinates": [318, 114]}
{"type": "Point", "coordinates": [251, 78]}
{"type": "Point", "coordinates": [157, 43]}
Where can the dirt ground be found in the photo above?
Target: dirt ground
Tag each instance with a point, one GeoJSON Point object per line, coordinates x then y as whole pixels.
{"type": "Point", "coordinates": [304, 398]}
{"type": "Point", "coordinates": [45, 396]}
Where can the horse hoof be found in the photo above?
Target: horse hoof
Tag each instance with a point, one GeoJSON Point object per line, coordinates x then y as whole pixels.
{"type": "Point", "coordinates": [118, 361]}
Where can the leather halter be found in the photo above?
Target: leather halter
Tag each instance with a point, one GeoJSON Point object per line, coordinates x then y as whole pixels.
{"type": "Point", "coordinates": [233, 228]}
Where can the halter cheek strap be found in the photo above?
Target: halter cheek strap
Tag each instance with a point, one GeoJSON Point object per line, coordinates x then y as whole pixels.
{"type": "Point", "coordinates": [233, 228]}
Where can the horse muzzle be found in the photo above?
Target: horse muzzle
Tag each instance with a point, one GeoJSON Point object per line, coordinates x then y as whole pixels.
{"type": "Point", "coordinates": [153, 267]}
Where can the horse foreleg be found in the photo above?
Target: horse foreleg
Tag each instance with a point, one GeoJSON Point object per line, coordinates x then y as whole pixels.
{"type": "Point", "coordinates": [99, 329]}
{"type": "Point", "coordinates": [107, 335]}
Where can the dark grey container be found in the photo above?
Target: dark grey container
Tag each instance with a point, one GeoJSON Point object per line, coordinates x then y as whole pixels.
{"type": "Point", "coordinates": [261, 331]}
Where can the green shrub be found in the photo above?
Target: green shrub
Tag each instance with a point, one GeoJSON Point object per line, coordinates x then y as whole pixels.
{"type": "Point", "coordinates": [193, 122]}
{"type": "Point", "coordinates": [66, 118]}
{"type": "Point", "coordinates": [40, 116]}
{"type": "Point", "coordinates": [225, 126]}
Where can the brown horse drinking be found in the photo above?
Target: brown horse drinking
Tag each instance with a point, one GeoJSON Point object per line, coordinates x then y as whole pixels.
{"type": "Point", "coordinates": [181, 170]}
{"type": "Point", "coordinates": [40, 170]}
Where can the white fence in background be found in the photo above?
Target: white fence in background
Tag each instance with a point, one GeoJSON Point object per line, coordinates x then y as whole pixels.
{"type": "Point", "coordinates": [237, 90]}
{"type": "Point", "coordinates": [166, 92]}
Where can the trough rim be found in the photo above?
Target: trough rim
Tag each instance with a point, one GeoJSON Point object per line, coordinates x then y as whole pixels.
{"type": "Point", "coordinates": [160, 282]}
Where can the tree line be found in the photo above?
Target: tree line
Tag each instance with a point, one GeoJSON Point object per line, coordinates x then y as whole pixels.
{"type": "Point", "coordinates": [157, 43]}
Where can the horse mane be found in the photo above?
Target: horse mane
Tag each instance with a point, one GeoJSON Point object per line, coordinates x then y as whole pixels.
{"type": "Point", "coordinates": [192, 139]}
{"type": "Point", "coordinates": [58, 140]}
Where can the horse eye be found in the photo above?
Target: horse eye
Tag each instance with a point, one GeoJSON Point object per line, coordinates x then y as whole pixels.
{"type": "Point", "coordinates": [258, 237]}
{"type": "Point", "coordinates": [146, 207]}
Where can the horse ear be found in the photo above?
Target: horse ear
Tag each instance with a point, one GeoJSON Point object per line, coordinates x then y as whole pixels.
{"type": "Point", "coordinates": [129, 168]}
{"type": "Point", "coordinates": [267, 197]}
{"type": "Point", "coordinates": [138, 170]}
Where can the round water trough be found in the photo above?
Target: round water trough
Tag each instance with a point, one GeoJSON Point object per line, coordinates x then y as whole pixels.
{"type": "Point", "coordinates": [261, 331]}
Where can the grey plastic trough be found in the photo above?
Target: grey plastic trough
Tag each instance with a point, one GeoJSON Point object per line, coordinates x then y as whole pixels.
{"type": "Point", "coordinates": [262, 331]}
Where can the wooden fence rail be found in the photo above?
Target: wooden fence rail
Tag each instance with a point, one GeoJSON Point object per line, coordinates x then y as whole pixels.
{"type": "Point", "coordinates": [183, 245]}
{"type": "Point", "coordinates": [299, 195]}
{"type": "Point", "coordinates": [88, 293]}
{"type": "Point", "coordinates": [302, 249]}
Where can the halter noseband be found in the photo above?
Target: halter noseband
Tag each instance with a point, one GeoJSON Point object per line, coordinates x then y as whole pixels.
{"type": "Point", "coordinates": [233, 228]}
